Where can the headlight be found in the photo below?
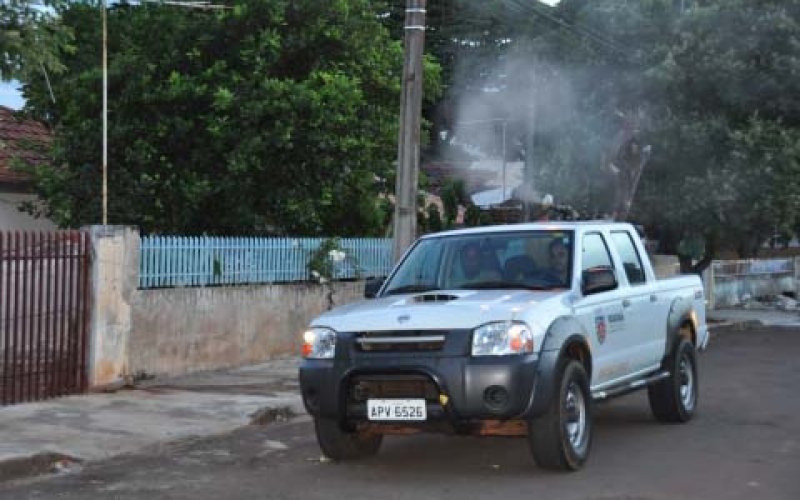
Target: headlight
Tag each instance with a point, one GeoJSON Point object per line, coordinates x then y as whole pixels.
{"type": "Point", "coordinates": [319, 343]}
{"type": "Point", "coordinates": [499, 339]}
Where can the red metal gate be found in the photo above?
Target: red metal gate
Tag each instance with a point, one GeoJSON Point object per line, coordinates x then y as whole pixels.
{"type": "Point", "coordinates": [44, 314]}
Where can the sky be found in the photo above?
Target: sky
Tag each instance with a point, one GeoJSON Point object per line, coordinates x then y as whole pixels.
{"type": "Point", "coordinates": [10, 96]}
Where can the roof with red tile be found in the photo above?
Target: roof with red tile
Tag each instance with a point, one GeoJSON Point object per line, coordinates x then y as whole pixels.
{"type": "Point", "coordinates": [20, 138]}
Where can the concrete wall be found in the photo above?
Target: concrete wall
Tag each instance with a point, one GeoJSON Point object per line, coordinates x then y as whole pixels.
{"type": "Point", "coordinates": [181, 330]}
{"type": "Point", "coordinates": [665, 266]}
{"type": "Point", "coordinates": [114, 278]}
{"type": "Point", "coordinates": [733, 283]}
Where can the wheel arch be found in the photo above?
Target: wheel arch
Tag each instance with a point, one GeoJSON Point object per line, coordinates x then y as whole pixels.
{"type": "Point", "coordinates": [681, 323]}
{"type": "Point", "coordinates": [567, 336]}
{"type": "Point", "coordinates": [564, 339]}
{"type": "Point", "coordinates": [575, 347]}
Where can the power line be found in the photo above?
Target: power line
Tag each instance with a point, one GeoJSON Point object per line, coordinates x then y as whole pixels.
{"type": "Point", "coordinates": [190, 4]}
{"type": "Point", "coordinates": [576, 29]}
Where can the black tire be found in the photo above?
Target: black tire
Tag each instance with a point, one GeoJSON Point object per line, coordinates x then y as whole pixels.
{"type": "Point", "coordinates": [338, 444]}
{"type": "Point", "coordinates": [561, 438]}
{"type": "Point", "coordinates": [674, 399]}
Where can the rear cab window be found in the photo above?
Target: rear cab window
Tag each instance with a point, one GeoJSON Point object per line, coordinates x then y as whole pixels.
{"type": "Point", "coordinates": [631, 261]}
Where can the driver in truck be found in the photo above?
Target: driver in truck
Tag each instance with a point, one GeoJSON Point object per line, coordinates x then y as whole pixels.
{"type": "Point", "coordinates": [477, 265]}
{"type": "Point", "coordinates": [558, 254]}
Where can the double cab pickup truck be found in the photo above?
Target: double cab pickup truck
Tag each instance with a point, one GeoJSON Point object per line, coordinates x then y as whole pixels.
{"type": "Point", "coordinates": [505, 330]}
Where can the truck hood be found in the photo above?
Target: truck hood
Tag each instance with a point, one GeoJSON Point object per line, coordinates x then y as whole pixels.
{"type": "Point", "coordinates": [451, 309]}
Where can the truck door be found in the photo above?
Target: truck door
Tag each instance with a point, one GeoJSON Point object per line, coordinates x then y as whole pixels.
{"type": "Point", "coordinates": [602, 315]}
{"type": "Point", "coordinates": [646, 311]}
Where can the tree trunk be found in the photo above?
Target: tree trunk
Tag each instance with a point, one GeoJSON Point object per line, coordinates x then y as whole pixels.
{"type": "Point", "coordinates": [685, 263]}
{"type": "Point", "coordinates": [701, 265]}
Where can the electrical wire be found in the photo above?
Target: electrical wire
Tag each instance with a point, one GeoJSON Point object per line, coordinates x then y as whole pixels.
{"type": "Point", "coordinates": [581, 31]}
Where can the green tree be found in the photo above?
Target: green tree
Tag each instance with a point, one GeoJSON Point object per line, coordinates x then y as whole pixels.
{"type": "Point", "coordinates": [274, 117]}
{"type": "Point", "coordinates": [453, 196]}
{"type": "Point", "coordinates": [709, 86]}
{"type": "Point", "coordinates": [725, 123]}
{"type": "Point", "coordinates": [32, 38]}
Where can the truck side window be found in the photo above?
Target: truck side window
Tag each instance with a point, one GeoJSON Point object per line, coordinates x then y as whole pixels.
{"type": "Point", "coordinates": [630, 257]}
{"type": "Point", "coordinates": [595, 252]}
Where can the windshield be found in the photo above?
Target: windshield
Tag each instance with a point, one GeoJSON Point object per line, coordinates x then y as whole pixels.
{"type": "Point", "coordinates": [535, 260]}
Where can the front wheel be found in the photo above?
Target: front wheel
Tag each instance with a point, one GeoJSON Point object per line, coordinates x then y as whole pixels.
{"type": "Point", "coordinates": [339, 444]}
{"type": "Point", "coordinates": [561, 438]}
{"type": "Point", "coordinates": [674, 399]}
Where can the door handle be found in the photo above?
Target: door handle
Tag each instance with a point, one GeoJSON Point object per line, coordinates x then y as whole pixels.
{"type": "Point", "coordinates": [626, 303]}
{"type": "Point", "coordinates": [653, 298]}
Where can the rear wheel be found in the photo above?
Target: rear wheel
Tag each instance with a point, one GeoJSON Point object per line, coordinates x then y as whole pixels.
{"type": "Point", "coordinates": [674, 399]}
{"type": "Point", "coordinates": [339, 444]}
{"type": "Point", "coordinates": [561, 438]}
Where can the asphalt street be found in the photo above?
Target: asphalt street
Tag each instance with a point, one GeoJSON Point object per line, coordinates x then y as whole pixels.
{"type": "Point", "coordinates": [744, 443]}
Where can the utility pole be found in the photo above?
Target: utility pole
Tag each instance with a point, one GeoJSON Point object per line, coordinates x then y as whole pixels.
{"type": "Point", "coordinates": [105, 114]}
{"type": "Point", "coordinates": [405, 213]}
{"type": "Point", "coordinates": [503, 152]}
{"type": "Point", "coordinates": [530, 173]}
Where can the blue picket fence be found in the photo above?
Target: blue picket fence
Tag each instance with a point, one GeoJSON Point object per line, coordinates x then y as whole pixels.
{"type": "Point", "coordinates": [178, 261]}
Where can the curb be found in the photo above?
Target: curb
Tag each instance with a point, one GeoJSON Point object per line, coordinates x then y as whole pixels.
{"type": "Point", "coordinates": [738, 325]}
{"type": "Point", "coordinates": [40, 464]}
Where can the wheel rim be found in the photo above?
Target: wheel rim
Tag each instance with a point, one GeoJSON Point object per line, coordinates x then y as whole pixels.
{"type": "Point", "coordinates": [687, 382]}
{"type": "Point", "coordinates": [575, 416]}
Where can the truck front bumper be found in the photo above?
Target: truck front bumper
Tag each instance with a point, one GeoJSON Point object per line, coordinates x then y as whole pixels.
{"type": "Point", "coordinates": [455, 388]}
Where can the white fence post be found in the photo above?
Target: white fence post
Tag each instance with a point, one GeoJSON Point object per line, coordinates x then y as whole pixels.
{"type": "Point", "coordinates": [710, 289]}
{"type": "Point", "coordinates": [796, 262]}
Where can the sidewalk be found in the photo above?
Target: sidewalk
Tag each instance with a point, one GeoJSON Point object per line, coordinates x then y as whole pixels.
{"type": "Point", "coordinates": [743, 317]}
{"type": "Point", "coordinates": [59, 434]}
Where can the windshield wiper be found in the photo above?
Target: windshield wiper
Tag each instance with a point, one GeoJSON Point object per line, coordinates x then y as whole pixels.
{"type": "Point", "coordinates": [503, 285]}
{"type": "Point", "coordinates": [411, 289]}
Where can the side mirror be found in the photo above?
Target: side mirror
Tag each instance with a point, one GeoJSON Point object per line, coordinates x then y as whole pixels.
{"type": "Point", "coordinates": [372, 286]}
{"type": "Point", "coordinates": [598, 279]}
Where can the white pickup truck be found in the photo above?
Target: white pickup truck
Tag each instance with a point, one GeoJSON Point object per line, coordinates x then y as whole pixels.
{"type": "Point", "coordinates": [505, 330]}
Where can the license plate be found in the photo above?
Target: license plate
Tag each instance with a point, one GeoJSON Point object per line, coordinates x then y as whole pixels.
{"type": "Point", "coordinates": [396, 409]}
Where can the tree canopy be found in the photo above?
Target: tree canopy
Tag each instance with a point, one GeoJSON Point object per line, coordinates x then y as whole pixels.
{"type": "Point", "coordinates": [281, 116]}
{"type": "Point", "coordinates": [707, 84]}
{"type": "Point", "coordinates": [272, 117]}
{"type": "Point", "coordinates": [31, 38]}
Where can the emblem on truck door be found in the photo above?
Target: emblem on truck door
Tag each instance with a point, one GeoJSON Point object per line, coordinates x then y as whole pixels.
{"type": "Point", "coordinates": [403, 318]}
{"type": "Point", "coordinates": [600, 328]}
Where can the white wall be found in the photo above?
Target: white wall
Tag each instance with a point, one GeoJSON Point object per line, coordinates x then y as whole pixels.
{"type": "Point", "coordinates": [12, 219]}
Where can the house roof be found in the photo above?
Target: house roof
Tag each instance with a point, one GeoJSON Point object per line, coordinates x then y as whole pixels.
{"type": "Point", "coordinates": [20, 138]}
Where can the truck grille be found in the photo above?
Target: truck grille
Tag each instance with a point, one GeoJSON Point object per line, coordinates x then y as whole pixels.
{"type": "Point", "coordinates": [363, 387]}
{"type": "Point", "coordinates": [404, 341]}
